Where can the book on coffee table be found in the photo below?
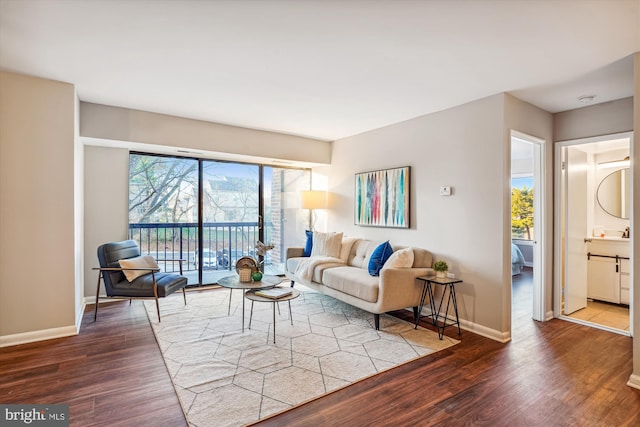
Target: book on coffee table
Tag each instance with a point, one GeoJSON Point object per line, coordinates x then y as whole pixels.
{"type": "Point", "coordinates": [274, 293]}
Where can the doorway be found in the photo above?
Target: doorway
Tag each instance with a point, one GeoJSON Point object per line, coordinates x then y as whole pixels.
{"type": "Point", "coordinates": [593, 199]}
{"type": "Point", "coordinates": [527, 226]}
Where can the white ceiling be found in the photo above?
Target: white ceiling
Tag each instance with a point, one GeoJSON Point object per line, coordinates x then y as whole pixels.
{"type": "Point", "coordinates": [325, 69]}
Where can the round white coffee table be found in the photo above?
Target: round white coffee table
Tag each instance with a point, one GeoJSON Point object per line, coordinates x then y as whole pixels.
{"type": "Point", "coordinates": [233, 282]}
{"type": "Point", "coordinates": [251, 295]}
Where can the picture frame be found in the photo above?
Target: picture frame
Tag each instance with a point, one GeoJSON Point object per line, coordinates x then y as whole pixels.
{"type": "Point", "coordinates": [382, 198]}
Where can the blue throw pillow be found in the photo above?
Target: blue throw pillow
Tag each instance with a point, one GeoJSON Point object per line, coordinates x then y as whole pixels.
{"type": "Point", "coordinates": [379, 256]}
{"type": "Point", "coordinates": [309, 245]}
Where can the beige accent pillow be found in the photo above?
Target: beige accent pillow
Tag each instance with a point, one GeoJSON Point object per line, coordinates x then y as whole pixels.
{"type": "Point", "coordinates": [402, 258]}
{"type": "Point", "coordinates": [326, 244]}
{"type": "Point", "coordinates": [345, 250]}
{"type": "Point", "coordinates": [144, 261]}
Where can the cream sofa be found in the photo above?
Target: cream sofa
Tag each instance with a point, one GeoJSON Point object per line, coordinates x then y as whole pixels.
{"type": "Point", "coordinates": [349, 280]}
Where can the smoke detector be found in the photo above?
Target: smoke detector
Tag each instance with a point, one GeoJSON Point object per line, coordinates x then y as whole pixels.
{"type": "Point", "coordinates": [586, 99]}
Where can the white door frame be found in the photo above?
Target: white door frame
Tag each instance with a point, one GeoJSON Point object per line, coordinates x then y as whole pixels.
{"type": "Point", "coordinates": [539, 224]}
{"type": "Point", "coordinates": [557, 239]}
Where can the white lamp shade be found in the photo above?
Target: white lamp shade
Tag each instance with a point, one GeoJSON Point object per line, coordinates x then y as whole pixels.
{"type": "Point", "coordinates": [313, 199]}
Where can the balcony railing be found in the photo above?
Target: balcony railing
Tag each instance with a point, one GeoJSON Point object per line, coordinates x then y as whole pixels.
{"type": "Point", "coordinates": [223, 243]}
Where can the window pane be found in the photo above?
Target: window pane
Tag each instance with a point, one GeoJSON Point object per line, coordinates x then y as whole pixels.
{"type": "Point", "coordinates": [285, 222]}
{"type": "Point", "coordinates": [163, 210]}
{"type": "Point", "coordinates": [522, 208]}
{"type": "Point", "coordinates": [230, 216]}
{"type": "Point", "coordinates": [164, 213]}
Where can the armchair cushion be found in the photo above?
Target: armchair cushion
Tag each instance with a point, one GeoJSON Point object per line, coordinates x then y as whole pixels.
{"type": "Point", "coordinates": [143, 285]}
{"type": "Point", "coordinates": [115, 283]}
{"type": "Point", "coordinates": [144, 261]}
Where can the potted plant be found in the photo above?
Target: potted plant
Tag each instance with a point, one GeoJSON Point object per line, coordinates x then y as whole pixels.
{"type": "Point", "coordinates": [441, 269]}
{"type": "Point", "coordinates": [261, 251]}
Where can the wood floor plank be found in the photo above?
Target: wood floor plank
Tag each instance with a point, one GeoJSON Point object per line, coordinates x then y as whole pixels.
{"type": "Point", "coordinates": [551, 374]}
{"type": "Point", "coordinates": [112, 373]}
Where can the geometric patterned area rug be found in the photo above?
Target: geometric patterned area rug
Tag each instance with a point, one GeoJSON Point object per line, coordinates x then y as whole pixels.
{"type": "Point", "coordinates": [224, 377]}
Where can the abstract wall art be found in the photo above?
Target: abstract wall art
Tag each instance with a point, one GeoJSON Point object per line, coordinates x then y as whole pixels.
{"type": "Point", "coordinates": [382, 198]}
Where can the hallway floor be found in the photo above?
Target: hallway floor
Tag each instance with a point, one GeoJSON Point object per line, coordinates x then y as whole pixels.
{"type": "Point", "coordinates": [605, 314]}
{"type": "Point", "coordinates": [601, 313]}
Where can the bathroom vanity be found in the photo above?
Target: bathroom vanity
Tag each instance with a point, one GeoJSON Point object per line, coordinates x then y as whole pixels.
{"type": "Point", "coordinates": [608, 269]}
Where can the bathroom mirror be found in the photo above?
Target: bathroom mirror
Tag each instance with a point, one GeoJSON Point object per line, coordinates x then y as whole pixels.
{"type": "Point", "coordinates": [613, 193]}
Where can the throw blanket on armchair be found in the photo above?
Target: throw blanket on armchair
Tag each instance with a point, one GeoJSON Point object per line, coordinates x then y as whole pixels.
{"type": "Point", "coordinates": [305, 268]}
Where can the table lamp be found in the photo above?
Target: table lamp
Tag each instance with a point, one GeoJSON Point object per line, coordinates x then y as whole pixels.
{"type": "Point", "coordinates": [312, 200]}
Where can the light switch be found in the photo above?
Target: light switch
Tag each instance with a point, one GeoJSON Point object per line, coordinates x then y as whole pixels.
{"type": "Point", "coordinates": [445, 190]}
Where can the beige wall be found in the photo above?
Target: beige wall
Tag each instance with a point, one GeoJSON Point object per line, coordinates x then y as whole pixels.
{"type": "Point", "coordinates": [106, 184]}
{"type": "Point", "coordinates": [467, 148]}
{"type": "Point", "coordinates": [37, 248]}
{"type": "Point", "coordinates": [121, 124]}
{"type": "Point", "coordinates": [600, 119]}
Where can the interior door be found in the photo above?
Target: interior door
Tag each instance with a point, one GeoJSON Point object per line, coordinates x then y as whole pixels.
{"type": "Point", "coordinates": [575, 226]}
{"type": "Point", "coordinates": [538, 312]}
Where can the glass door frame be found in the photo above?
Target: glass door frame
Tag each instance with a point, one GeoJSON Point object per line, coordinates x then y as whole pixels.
{"type": "Point", "coordinates": [199, 258]}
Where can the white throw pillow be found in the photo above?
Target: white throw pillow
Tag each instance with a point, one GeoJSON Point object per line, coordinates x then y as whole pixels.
{"type": "Point", "coordinates": [144, 261]}
{"type": "Point", "coordinates": [326, 244]}
{"type": "Point", "coordinates": [402, 258]}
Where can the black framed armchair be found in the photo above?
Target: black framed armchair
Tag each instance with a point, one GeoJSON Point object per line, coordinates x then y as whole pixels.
{"type": "Point", "coordinates": [137, 277]}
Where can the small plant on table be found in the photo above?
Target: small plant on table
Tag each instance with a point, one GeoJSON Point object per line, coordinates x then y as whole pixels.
{"type": "Point", "coordinates": [441, 268]}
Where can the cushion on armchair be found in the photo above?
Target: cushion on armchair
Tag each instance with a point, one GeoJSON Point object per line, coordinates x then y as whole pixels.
{"type": "Point", "coordinates": [144, 261]}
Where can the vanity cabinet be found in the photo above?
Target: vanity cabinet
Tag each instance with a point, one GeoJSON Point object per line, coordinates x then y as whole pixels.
{"type": "Point", "coordinates": [608, 278]}
{"type": "Point", "coordinates": [624, 281]}
{"type": "Point", "coordinates": [603, 282]}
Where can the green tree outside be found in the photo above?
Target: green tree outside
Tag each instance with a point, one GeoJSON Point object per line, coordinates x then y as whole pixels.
{"type": "Point", "coordinates": [522, 212]}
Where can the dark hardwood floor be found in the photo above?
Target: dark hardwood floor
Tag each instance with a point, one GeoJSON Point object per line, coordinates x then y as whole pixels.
{"type": "Point", "coordinates": [555, 373]}
{"type": "Point", "coordinates": [111, 374]}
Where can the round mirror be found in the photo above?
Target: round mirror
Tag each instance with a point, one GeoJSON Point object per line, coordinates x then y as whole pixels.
{"type": "Point", "coordinates": [613, 194]}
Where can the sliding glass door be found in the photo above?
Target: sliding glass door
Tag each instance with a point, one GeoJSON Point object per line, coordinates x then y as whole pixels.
{"type": "Point", "coordinates": [163, 209]}
{"type": "Point", "coordinates": [230, 216]}
{"type": "Point", "coordinates": [211, 213]}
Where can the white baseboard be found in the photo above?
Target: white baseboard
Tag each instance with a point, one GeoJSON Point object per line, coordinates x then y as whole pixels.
{"type": "Point", "coordinates": [493, 334]}
{"type": "Point", "coordinates": [79, 317]}
{"type": "Point", "coordinates": [41, 335]}
{"type": "Point", "coordinates": [634, 381]}
{"type": "Point", "coordinates": [549, 315]}
{"type": "Point", "coordinates": [102, 300]}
